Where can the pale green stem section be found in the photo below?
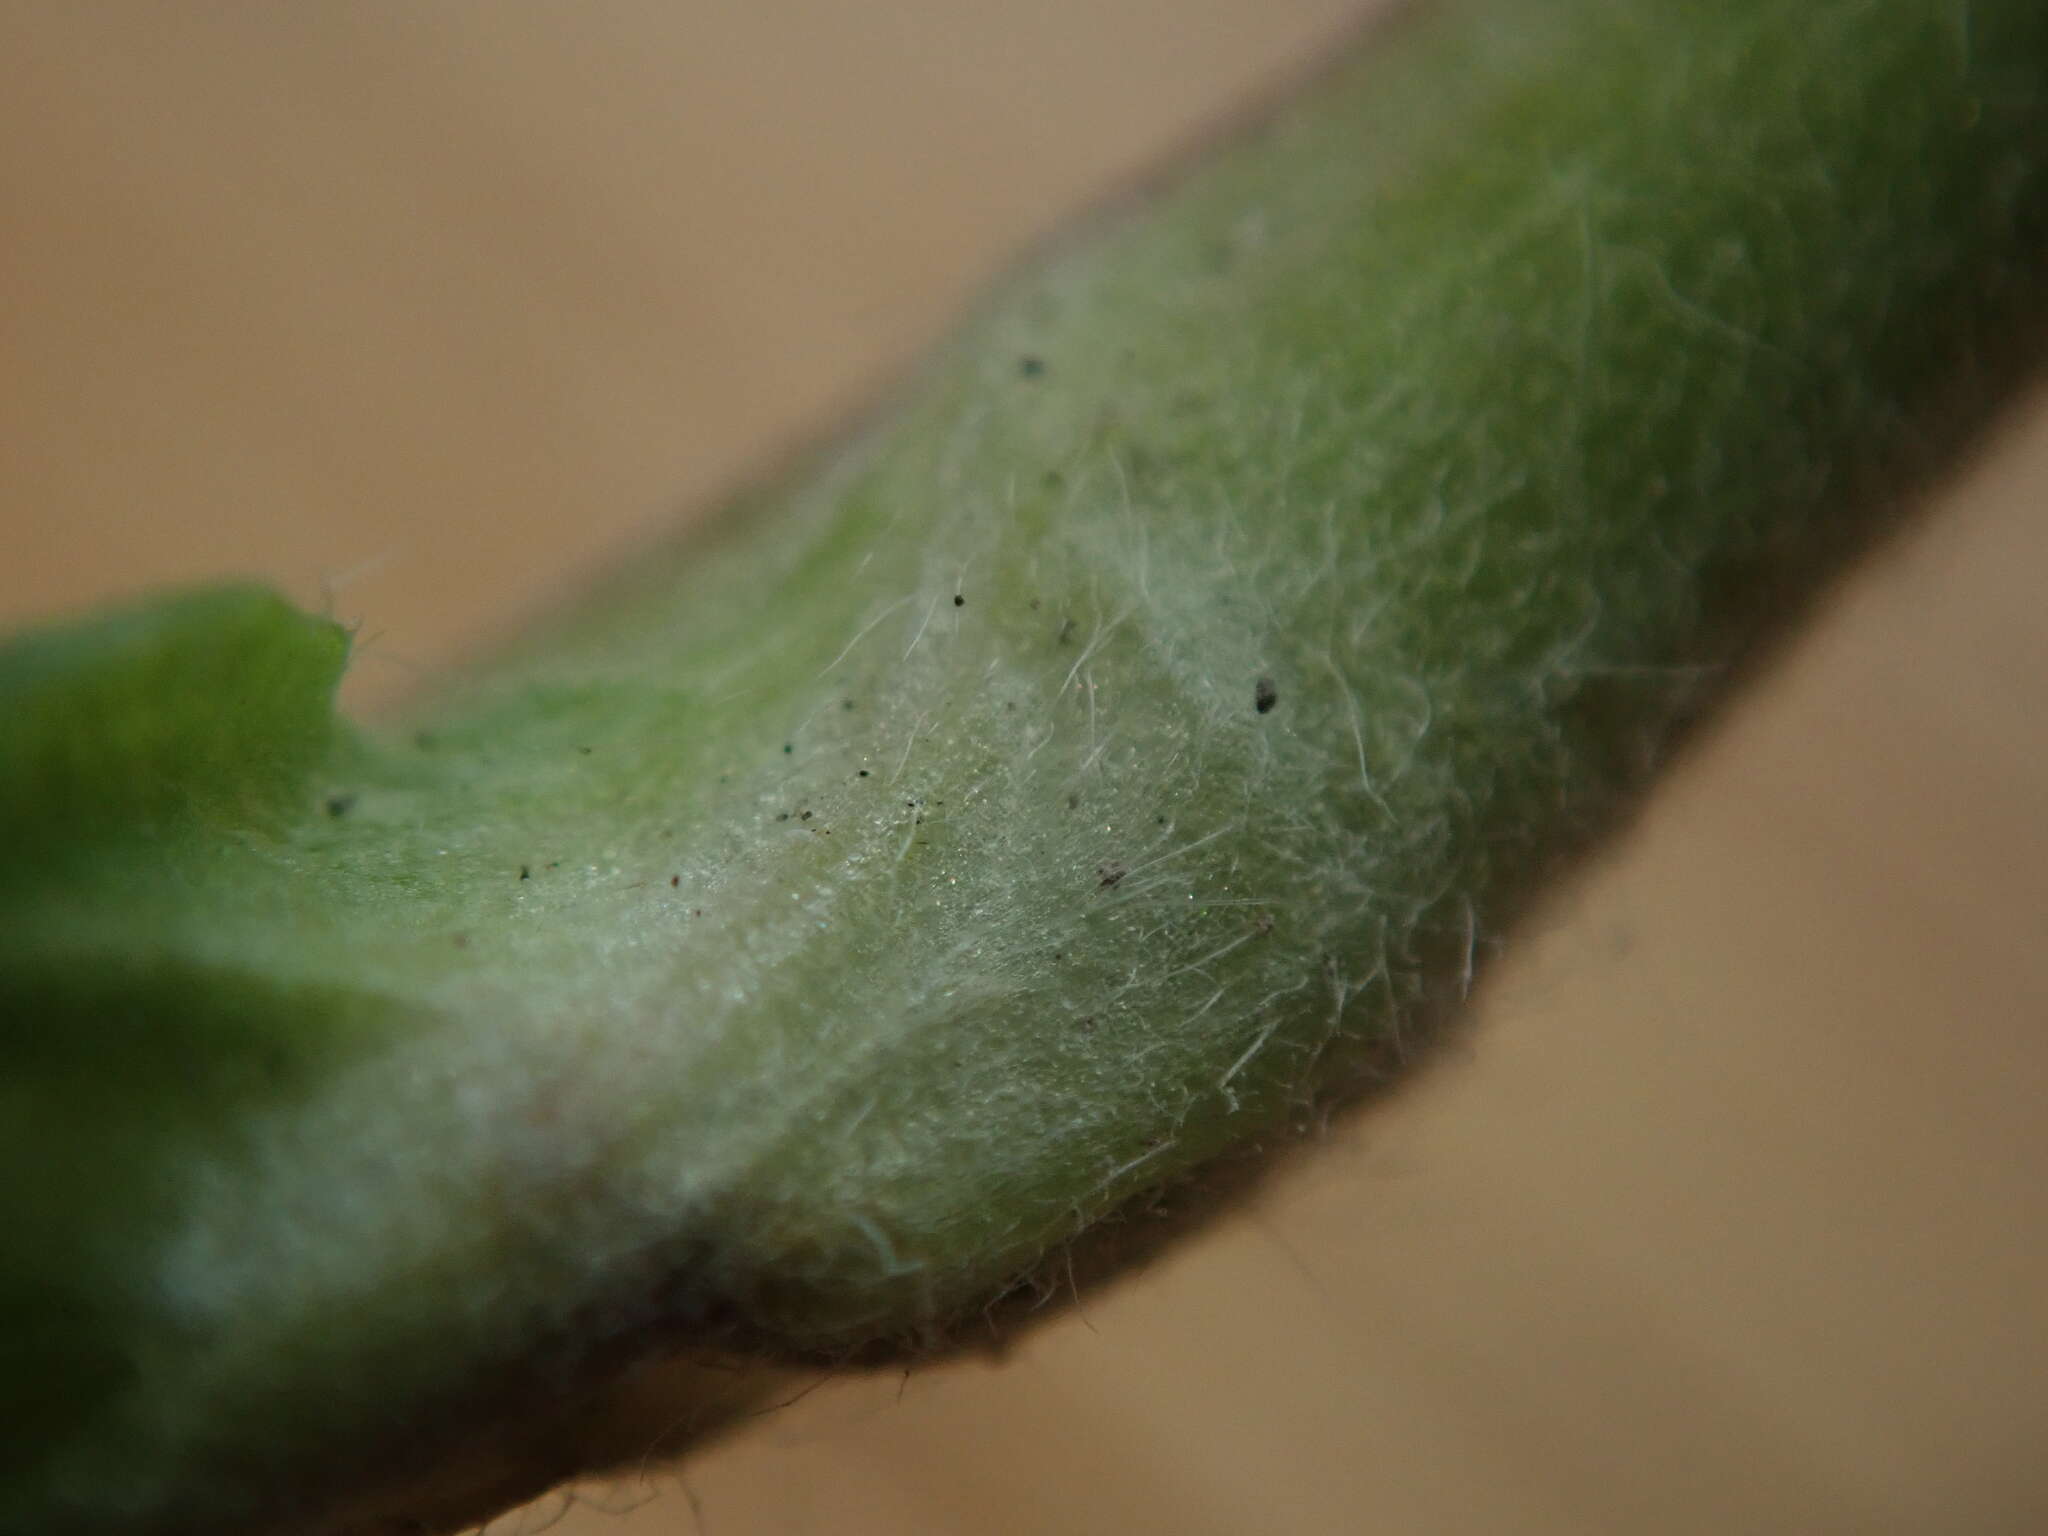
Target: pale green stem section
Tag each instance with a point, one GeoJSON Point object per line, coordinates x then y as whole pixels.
{"type": "Point", "coordinates": [811, 935]}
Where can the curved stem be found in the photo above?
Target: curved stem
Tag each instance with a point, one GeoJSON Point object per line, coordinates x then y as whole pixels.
{"type": "Point", "coordinates": [1119, 754]}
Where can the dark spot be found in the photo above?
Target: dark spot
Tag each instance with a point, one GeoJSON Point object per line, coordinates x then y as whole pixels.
{"type": "Point", "coordinates": [782, 815]}
{"type": "Point", "coordinates": [1110, 874]}
{"type": "Point", "coordinates": [1009, 706]}
{"type": "Point", "coordinates": [1072, 801]}
{"type": "Point", "coordinates": [424, 740]}
{"type": "Point", "coordinates": [462, 941]}
{"type": "Point", "coordinates": [1053, 480]}
{"type": "Point", "coordinates": [1087, 1023]}
{"type": "Point", "coordinates": [675, 882]}
{"type": "Point", "coordinates": [1264, 695]}
{"type": "Point", "coordinates": [805, 817]}
{"type": "Point", "coordinates": [1031, 367]}
{"type": "Point", "coordinates": [863, 773]}
{"type": "Point", "coordinates": [1066, 631]}
{"type": "Point", "coordinates": [525, 873]}
{"type": "Point", "coordinates": [1059, 954]}
{"type": "Point", "coordinates": [1034, 605]}
{"type": "Point", "coordinates": [696, 911]}
{"type": "Point", "coordinates": [340, 805]}
{"type": "Point", "coordinates": [789, 746]}
{"type": "Point", "coordinates": [846, 703]}
{"type": "Point", "coordinates": [584, 750]}
{"type": "Point", "coordinates": [1263, 924]}
{"type": "Point", "coordinates": [959, 601]}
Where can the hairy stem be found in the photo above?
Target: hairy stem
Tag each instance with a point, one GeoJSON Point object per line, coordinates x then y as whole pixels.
{"type": "Point", "coordinates": [1119, 754]}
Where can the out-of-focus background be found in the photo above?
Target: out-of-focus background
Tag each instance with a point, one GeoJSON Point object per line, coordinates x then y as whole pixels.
{"type": "Point", "coordinates": [1730, 1213]}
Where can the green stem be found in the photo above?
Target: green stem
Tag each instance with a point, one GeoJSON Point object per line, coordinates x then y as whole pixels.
{"type": "Point", "coordinates": [1117, 756]}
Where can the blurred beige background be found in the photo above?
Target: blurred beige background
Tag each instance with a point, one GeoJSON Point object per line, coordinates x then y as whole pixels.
{"type": "Point", "coordinates": [1732, 1212]}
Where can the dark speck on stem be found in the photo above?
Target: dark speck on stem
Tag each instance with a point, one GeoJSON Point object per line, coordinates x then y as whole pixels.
{"type": "Point", "coordinates": [1265, 695]}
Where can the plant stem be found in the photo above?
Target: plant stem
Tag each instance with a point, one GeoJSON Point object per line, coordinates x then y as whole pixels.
{"type": "Point", "coordinates": [1114, 758]}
